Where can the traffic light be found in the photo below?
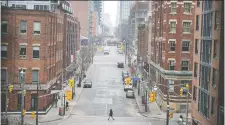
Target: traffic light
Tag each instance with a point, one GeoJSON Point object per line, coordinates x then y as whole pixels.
{"type": "Point", "coordinates": [24, 112]}
{"type": "Point", "coordinates": [10, 88]}
{"type": "Point", "coordinates": [187, 86]}
{"type": "Point", "coordinates": [33, 114]}
{"type": "Point", "coordinates": [68, 95]}
{"type": "Point", "coordinates": [181, 92]}
{"type": "Point", "coordinates": [127, 80]}
{"type": "Point", "coordinates": [171, 115]}
{"type": "Point", "coordinates": [71, 83]}
{"type": "Point", "coordinates": [151, 97]}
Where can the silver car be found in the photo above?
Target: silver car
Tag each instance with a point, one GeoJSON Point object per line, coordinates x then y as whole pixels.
{"type": "Point", "coordinates": [130, 94]}
{"type": "Point", "coordinates": [87, 84]}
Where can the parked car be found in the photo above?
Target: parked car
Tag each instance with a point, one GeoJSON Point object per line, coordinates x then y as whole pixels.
{"type": "Point", "coordinates": [87, 84]}
{"type": "Point", "coordinates": [120, 51]}
{"type": "Point", "coordinates": [130, 94]}
{"type": "Point", "coordinates": [120, 65]}
{"type": "Point", "coordinates": [128, 87]}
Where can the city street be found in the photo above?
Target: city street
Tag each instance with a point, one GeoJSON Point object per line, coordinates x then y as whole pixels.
{"type": "Point", "coordinates": [92, 108]}
{"type": "Point", "coordinates": [107, 90]}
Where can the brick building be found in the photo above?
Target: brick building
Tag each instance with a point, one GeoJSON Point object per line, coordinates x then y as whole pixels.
{"type": "Point", "coordinates": [31, 41]}
{"type": "Point", "coordinates": [172, 41]}
{"type": "Point", "coordinates": [208, 64]}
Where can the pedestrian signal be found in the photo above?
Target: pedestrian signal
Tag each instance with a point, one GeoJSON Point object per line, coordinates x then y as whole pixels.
{"type": "Point", "coordinates": [25, 92]}
{"type": "Point", "coordinates": [33, 114]}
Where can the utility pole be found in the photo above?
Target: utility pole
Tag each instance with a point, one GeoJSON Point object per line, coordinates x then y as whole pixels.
{"type": "Point", "coordinates": [62, 87]}
{"type": "Point", "coordinates": [168, 107]}
{"type": "Point", "coordinates": [22, 77]}
{"type": "Point", "coordinates": [125, 51]}
{"type": "Point", "coordinates": [7, 100]}
{"type": "Point", "coordinates": [187, 107]}
{"type": "Point", "coordinates": [146, 100]}
{"type": "Point", "coordinates": [37, 100]}
{"type": "Point", "coordinates": [64, 112]}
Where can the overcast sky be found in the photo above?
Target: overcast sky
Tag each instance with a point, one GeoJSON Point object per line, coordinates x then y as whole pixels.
{"type": "Point", "coordinates": [110, 7]}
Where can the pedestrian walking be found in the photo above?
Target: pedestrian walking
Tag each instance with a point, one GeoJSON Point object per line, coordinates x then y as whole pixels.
{"type": "Point", "coordinates": [111, 114]}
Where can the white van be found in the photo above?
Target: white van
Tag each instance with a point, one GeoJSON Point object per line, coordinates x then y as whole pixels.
{"type": "Point", "coordinates": [106, 50]}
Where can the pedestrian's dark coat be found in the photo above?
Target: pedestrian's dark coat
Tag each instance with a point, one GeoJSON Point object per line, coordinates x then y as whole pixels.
{"type": "Point", "coordinates": [110, 112]}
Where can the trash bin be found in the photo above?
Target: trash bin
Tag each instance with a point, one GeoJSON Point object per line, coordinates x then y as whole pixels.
{"type": "Point", "coordinates": [61, 111]}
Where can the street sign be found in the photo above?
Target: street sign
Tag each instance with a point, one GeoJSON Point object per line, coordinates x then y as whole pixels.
{"type": "Point", "coordinates": [135, 79]}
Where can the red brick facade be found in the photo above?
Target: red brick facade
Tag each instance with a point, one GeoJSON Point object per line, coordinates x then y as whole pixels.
{"type": "Point", "coordinates": [161, 52]}
{"type": "Point", "coordinates": [49, 63]}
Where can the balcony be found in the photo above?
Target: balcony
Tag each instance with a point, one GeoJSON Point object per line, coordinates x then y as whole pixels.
{"type": "Point", "coordinates": [67, 9]}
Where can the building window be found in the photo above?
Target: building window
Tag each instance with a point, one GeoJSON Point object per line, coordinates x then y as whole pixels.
{"type": "Point", "coordinates": [4, 52]}
{"type": "Point", "coordinates": [198, 3]}
{"type": "Point", "coordinates": [196, 46]}
{"type": "Point", "coordinates": [187, 7]}
{"type": "Point", "coordinates": [37, 28]}
{"type": "Point", "coordinates": [23, 26]}
{"type": "Point", "coordinates": [184, 65]}
{"type": "Point", "coordinates": [216, 20]}
{"type": "Point", "coordinates": [186, 27]}
{"type": "Point", "coordinates": [3, 75]}
{"type": "Point", "coordinates": [173, 27]}
{"type": "Point", "coordinates": [203, 103]}
{"type": "Point", "coordinates": [23, 50]}
{"type": "Point", "coordinates": [214, 78]}
{"type": "Point", "coordinates": [212, 105]}
{"type": "Point", "coordinates": [194, 93]}
{"type": "Point", "coordinates": [172, 45]}
{"type": "Point", "coordinates": [171, 85]}
{"type": "Point", "coordinates": [35, 76]}
{"type": "Point", "coordinates": [185, 45]}
{"type": "Point", "coordinates": [214, 48]}
{"type": "Point", "coordinates": [36, 51]}
{"type": "Point", "coordinates": [4, 26]}
{"type": "Point", "coordinates": [195, 70]}
{"type": "Point", "coordinates": [173, 7]}
{"type": "Point", "coordinates": [197, 23]}
{"type": "Point", "coordinates": [171, 64]}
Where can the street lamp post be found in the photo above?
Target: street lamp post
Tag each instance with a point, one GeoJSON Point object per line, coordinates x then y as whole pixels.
{"type": "Point", "coordinates": [168, 107]}
{"type": "Point", "coordinates": [37, 100]}
{"type": "Point", "coordinates": [146, 100]}
{"type": "Point", "coordinates": [22, 78]}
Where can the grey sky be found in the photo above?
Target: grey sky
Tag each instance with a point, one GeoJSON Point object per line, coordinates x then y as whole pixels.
{"type": "Point", "coordinates": [110, 7]}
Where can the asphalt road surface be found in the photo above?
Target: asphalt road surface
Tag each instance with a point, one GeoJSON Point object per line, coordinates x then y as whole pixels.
{"type": "Point", "coordinates": [107, 89]}
{"type": "Point", "coordinates": [106, 93]}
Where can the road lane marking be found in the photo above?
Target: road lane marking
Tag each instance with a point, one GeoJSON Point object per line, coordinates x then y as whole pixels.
{"type": "Point", "coordinates": [149, 123]}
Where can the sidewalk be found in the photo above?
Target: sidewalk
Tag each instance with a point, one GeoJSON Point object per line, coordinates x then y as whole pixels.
{"type": "Point", "coordinates": [154, 110]}
{"type": "Point", "coordinates": [53, 114]}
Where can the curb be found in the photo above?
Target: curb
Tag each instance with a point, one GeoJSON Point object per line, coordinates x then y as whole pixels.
{"type": "Point", "coordinates": [66, 117]}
